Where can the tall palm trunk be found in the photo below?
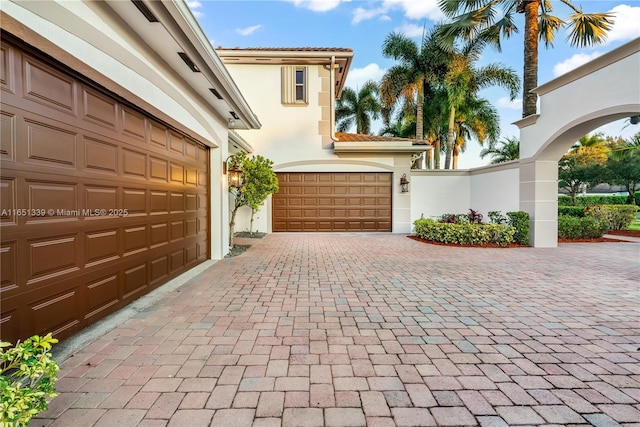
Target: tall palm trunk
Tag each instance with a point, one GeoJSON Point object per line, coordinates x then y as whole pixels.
{"type": "Point", "coordinates": [450, 137]}
{"type": "Point", "coordinates": [530, 76]}
{"type": "Point", "coordinates": [419, 112]}
{"type": "Point", "coordinates": [456, 153]}
{"type": "Point", "coordinates": [436, 153]}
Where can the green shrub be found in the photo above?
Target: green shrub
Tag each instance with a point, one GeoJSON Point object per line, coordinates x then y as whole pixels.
{"type": "Point", "coordinates": [570, 227]}
{"type": "Point", "coordinates": [496, 217]}
{"type": "Point", "coordinates": [27, 376]}
{"type": "Point", "coordinates": [463, 233]}
{"type": "Point", "coordinates": [592, 200]}
{"type": "Point", "coordinates": [637, 194]}
{"type": "Point", "coordinates": [577, 211]}
{"type": "Point", "coordinates": [520, 222]}
{"type": "Point", "coordinates": [619, 217]}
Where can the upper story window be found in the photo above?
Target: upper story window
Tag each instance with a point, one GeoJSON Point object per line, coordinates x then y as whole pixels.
{"type": "Point", "coordinates": [294, 85]}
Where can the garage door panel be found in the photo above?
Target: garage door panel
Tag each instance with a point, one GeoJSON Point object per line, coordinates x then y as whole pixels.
{"type": "Point", "coordinates": [100, 156]}
{"type": "Point", "coordinates": [100, 295]}
{"type": "Point", "coordinates": [158, 169]}
{"type": "Point", "coordinates": [134, 164]}
{"type": "Point", "coordinates": [50, 145]}
{"type": "Point", "coordinates": [135, 280]}
{"type": "Point", "coordinates": [52, 257]}
{"type": "Point", "coordinates": [8, 199]}
{"type": "Point", "coordinates": [101, 246]}
{"type": "Point", "coordinates": [47, 86]}
{"type": "Point", "coordinates": [134, 200]}
{"type": "Point", "coordinates": [350, 203]}
{"type": "Point", "coordinates": [52, 195]}
{"type": "Point", "coordinates": [7, 136]}
{"type": "Point", "coordinates": [56, 313]}
{"type": "Point", "coordinates": [135, 240]}
{"type": "Point", "coordinates": [99, 109]}
{"type": "Point", "coordinates": [98, 198]}
{"type": "Point", "coordinates": [68, 145]}
{"type": "Point", "coordinates": [9, 270]}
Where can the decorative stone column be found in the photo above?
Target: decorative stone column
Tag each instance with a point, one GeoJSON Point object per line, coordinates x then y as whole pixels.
{"type": "Point", "coordinates": [539, 197]}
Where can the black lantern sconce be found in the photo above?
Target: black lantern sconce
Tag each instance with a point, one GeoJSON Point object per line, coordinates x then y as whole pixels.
{"type": "Point", "coordinates": [234, 174]}
{"type": "Point", "coordinates": [404, 183]}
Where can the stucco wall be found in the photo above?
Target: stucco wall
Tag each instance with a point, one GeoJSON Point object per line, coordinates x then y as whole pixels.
{"type": "Point", "coordinates": [490, 188]}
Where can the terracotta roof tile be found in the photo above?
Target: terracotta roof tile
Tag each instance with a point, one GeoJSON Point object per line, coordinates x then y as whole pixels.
{"type": "Point", "coordinates": [358, 137]}
{"type": "Point", "coordinates": [291, 49]}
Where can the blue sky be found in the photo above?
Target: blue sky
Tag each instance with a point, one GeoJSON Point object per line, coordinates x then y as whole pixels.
{"type": "Point", "coordinates": [363, 26]}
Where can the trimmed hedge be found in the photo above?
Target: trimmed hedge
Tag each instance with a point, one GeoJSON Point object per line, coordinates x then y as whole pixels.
{"type": "Point", "coordinates": [593, 200]}
{"type": "Point", "coordinates": [570, 227]}
{"type": "Point", "coordinates": [520, 222]}
{"type": "Point", "coordinates": [619, 217]}
{"type": "Point", "coordinates": [463, 233]}
{"type": "Point", "coordinates": [577, 211]}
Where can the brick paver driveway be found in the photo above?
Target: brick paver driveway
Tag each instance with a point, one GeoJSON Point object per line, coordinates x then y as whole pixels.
{"type": "Point", "coordinates": [348, 329]}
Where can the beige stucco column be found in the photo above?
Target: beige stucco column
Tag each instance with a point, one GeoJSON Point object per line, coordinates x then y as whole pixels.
{"type": "Point", "coordinates": [401, 203]}
{"type": "Point", "coordinates": [539, 197]}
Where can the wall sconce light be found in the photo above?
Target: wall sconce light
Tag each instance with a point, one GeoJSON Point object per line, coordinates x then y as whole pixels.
{"type": "Point", "coordinates": [404, 183]}
{"type": "Point", "coordinates": [234, 174]}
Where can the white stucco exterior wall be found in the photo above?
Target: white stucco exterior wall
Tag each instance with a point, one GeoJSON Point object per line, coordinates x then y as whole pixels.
{"type": "Point", "coordinates": [495, 188]}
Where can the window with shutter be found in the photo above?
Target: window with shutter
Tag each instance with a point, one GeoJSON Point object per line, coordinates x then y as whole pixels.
{"type": "Point", "coordinates": [294, 85]}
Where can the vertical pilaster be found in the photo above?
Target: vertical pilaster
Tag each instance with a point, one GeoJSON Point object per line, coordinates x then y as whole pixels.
{"type": "Point", "coordinates": [539, 197]}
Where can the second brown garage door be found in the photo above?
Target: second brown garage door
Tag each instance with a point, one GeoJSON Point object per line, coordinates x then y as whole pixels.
{"type": "Point", "coordinates": [330, 201]}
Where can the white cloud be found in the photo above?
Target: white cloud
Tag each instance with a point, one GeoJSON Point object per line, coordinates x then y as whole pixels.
{"type": "Point", "coordinates": [316, 5]}
{"type": "Point", "coordinates": [410, 30]}
{"type": "Point", "coordinates": [625, 25]}
{"type": "Point", "coordinates": [417, 9]}
{"type": "Point", "coordinates": [574, 62]}
{"type": "Point", "coordinates": [358, 76]}
{"type": "Point", "coordinates": [412, 9]}
{"type": "Point", "coordinates": [362, 14]}
{"type": "Point", "coordinates": [508, 104]}
{"type": "Point", "coordinates": [194, 5]}
{"type": "Point", "coordinates": [248, 30]}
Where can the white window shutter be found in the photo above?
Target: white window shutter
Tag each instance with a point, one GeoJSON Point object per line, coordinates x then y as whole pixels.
{"type": "Point", "coordinates": [289, 84]}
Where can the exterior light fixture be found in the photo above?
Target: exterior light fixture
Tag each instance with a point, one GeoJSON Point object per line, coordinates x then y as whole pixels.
{"type": "Point", "coordinates": [234, 174]}
{"type": "Point", "coordinates": [404, 183]}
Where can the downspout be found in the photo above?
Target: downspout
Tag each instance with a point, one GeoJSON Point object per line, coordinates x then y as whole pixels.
{"type": "Point", "coordinates": [332, 98]}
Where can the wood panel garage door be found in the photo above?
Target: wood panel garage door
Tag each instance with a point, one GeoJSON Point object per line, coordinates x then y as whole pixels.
{"type": "Point", "coordinates": [100, 203]}
{"type": "Point", "coordinates": [333, 202]}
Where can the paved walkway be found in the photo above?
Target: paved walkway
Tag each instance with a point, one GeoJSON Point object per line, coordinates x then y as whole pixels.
{"type": "Point", "coordinates": [348, 329]}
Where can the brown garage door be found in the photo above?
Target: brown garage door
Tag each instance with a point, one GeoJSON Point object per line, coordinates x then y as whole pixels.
{"type": "Point", "coordinates": [333, 202]}
{"type": "Point", "coordinates": [100, 203]}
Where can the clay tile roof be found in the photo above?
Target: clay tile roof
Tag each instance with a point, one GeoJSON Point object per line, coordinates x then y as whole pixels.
{"type": "Point", "coordinates": [291, 49]}
{"type": "Point", "coordinates": [358, 137]}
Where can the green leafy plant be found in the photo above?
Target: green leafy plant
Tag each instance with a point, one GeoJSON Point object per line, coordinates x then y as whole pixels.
{"type": "Point", "coordinates": [619, 217]}
{"type": "Point", "coordinates": [27, 378]}
{"type": "Point", "coordinates": [463, 233]}
{"type": "Point", "coordinates": [520, 222]}
{"type": "Point", "coordinates": [592, 200]}
{"type": "Point", "coordinates": [496, 217]}
{"type": "Point", "coordinates": [570, 227]}
{"type": "Point", "coordinates": [577, 211]}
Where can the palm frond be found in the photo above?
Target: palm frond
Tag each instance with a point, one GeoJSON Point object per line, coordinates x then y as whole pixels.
{"type": "Point", "coordinates": [547, 27]}
{"type": "Point", "coordinates": [589, 28]}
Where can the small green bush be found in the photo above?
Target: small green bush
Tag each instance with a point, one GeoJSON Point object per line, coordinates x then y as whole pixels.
{"type": "Point", "coordinates": [592, 200]}
{"type": "Point", "coordinates": [463, 233]}
{"type": "Point", "coordinates": [570, 227]}
{"type": "Point", "coordinates": [619, 217]}
{"type": "Point", "coordinates": [520, 222]}
{"type": "Point", "coordinates": [637, 194]}
{"type": "Point", "coordinates": [496, 217]}
{"type": "Point", "coordinates": [27, 378]}
{"type": "Point", "coordinates": [577, 211]}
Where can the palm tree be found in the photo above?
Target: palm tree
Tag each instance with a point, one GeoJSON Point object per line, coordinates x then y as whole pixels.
{"type": "Point", "coordinates": [478, 119]}
{"type": "Point", "coordinates": [407, 81]}
{"type": "Point", "coordinates": [490, 20]}
{"type": "Point", "coordinates": [463, 80]}
{"type": "Point", "coordinates": [358, 108]}
{"type": "Point", "coordinates": [507, 150]}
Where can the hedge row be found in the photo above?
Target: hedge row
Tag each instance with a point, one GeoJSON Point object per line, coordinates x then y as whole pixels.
{"type": "Point", "coordinates": [596, 200]}
{"type": "Point", "coordinates": [464, 233]}
{"type": "Point", "coordinates": [570, 227]}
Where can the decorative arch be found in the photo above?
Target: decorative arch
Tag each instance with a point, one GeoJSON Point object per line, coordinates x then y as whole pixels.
{"type": "Point", "coordinates": [599, 92]}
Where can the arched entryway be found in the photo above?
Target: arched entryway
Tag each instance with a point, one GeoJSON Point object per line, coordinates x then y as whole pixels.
{"type": "Point", "coordinates": [599, 92]}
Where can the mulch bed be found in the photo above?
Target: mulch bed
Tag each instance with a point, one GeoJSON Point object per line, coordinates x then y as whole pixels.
{"type": "Point", "coordinates": [488, 245]}
{"type": "Point", "coordinates": [628, 233]}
